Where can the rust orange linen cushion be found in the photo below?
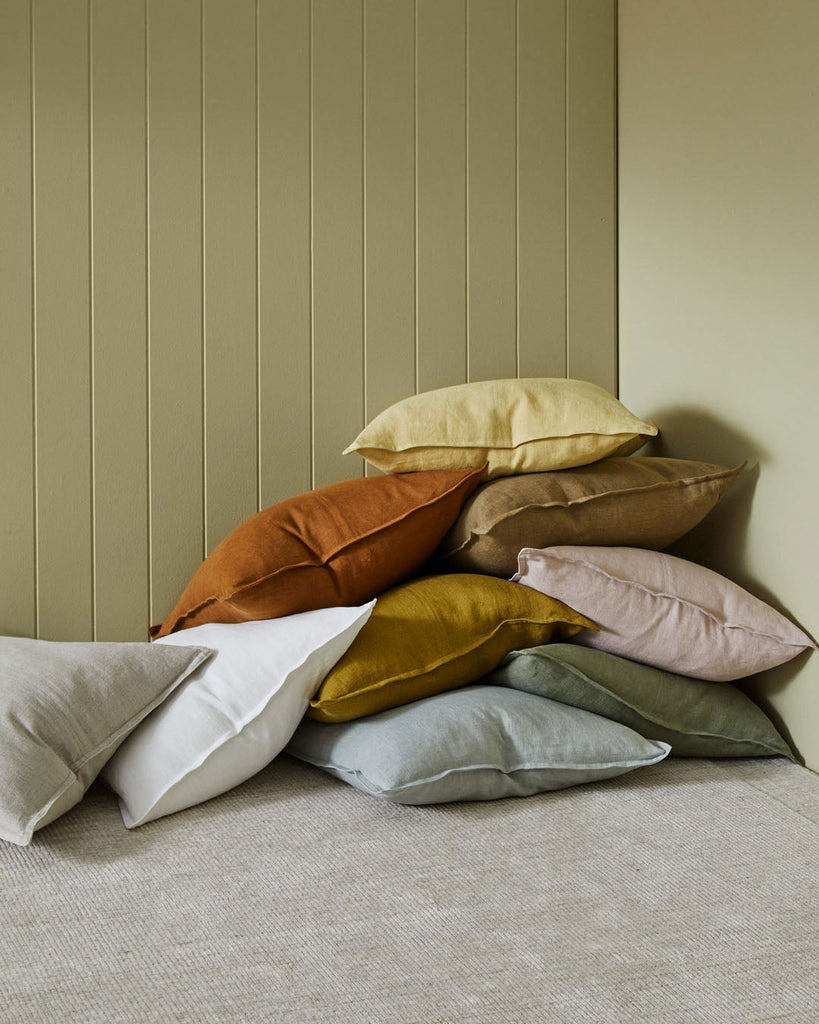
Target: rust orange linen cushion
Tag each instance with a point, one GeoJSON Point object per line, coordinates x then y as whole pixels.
{"type": "Point", "coordinates": [338, 545]}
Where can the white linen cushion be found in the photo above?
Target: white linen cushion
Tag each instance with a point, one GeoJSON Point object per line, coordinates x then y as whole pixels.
{"type": "Point", "coordinates": [233, 716]}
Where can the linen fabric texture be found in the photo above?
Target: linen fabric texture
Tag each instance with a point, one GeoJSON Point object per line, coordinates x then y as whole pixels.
{"type": "Point", "coordinates": [661, 610]}
{"type": "Point", "coordinates": [64, 710]}
{"type": "Point", "coordinates": [338, 545]}
{"type": "Point", "coordinates": [234, 714]}
{"type": "Point", "coordinates": [476, 743]}
{"type": "Point", "coordinates": [516, 426]}
{"type": "Point", "coordinates": [697, 718]}
{"type": "Point", "coordinates": [632, 502]}
{"type": "Point", "coordinates": [434, 634]}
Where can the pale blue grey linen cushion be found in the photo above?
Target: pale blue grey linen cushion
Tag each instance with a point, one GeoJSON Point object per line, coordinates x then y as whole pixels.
{"type": "Point", "coordinates": [476, 743]}
{"type": "Point", "coordinates": [64, 710]}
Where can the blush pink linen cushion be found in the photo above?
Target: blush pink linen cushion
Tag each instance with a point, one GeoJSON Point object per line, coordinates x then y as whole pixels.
{"type": "Point", "coordinates": [663, 611]}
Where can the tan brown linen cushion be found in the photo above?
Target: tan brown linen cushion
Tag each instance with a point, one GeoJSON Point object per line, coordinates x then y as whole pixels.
{"type": "Point", "coordinates": [633, 502]}
{"type": "Point", "coordinates": [338, 545]}
{"type": "Point", "coordinates": [664, 611]}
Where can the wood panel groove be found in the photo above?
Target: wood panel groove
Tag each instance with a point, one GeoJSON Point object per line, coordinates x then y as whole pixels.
{"type": "Point", "coordinates": [312, 218]}
{"type": "Point", "coordinates": [34, 397]}
{"type": "Point", "coordinates": [566, 183]}
{"type": "Point", "coordinates": [258, 312]}
{"type": "Point", "coordinates": [415, 187]}
{"type": "Point", "coordinates": [34, 359]}
{"type": "Point", "coordinates": [149, 569]}
{"type": "Point", "coordinates": [91, 324]}
{"type": "Point", "coordinates": [204, 314]}
{"type": "Point", "coordinates": [467, 310]}
{"type": "Point", "coordinates": [517, 188]}
{"type": "Point", "coordinates": [364, 318]}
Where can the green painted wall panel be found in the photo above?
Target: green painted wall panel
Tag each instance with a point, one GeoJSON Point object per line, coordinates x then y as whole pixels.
{"type": "Point", "coordinates": [62, 306]}
{"type": "Point", "coordinates": [119, 340]}
{"type": "Point", "coordinates": [250, 226]}
{"type": "Point", "coordinates": [18, 594]}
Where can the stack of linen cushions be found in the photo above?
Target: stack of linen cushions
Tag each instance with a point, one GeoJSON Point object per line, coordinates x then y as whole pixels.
{"type": "Point", "coordinates": [425, 636]}
{"type": "Point", "coordinates": [568, 512]}
{"type": "Point", "coordinates": [371, 628]}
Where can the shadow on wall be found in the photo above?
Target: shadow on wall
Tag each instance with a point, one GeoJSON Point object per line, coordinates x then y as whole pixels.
{"type": "Point", "coordinates": [766, 685]}
{"type": "Point", "coordinates": [720, 540]}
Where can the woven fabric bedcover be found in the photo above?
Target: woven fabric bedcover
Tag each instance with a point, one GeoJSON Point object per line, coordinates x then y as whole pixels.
{"type": "Point", "coordinates": [686, 892]}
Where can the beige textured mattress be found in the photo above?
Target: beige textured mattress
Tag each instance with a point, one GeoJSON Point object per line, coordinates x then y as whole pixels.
{"type": "Point", "coordinates": [685, 892]}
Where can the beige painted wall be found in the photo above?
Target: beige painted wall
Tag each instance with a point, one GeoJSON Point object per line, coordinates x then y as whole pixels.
{"type": "Point", "coordinates": [719, 285]}
{"type": "Point", "coordinates": [231, 231]}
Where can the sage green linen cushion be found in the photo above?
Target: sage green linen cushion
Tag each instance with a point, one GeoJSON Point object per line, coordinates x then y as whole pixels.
{"type": "Point", "coordinates": [64, 709]}
{"type": "Point", "coordinates": [698, 719]}
{"type": "Point", "coordinates": [475, 743]}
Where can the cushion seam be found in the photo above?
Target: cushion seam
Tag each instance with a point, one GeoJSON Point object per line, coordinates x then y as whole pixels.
{"type": "Point", "coordinates": [448, 443]}
{"type": "Point", "coordinates": [510, 770]}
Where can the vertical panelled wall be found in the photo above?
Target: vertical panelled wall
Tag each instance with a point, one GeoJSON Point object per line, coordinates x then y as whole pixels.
{"type": "Point", "coordinates": [232, 231]}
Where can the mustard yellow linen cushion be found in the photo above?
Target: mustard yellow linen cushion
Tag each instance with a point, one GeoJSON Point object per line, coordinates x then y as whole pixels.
{"type": "Point", "coordinates": [518, 426]}
{"type": "Point", "coordinates": [434, 634]}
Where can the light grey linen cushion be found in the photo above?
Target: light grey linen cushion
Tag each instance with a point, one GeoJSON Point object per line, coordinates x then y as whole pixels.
{"type": "Point", "coordinates": [64, 710]}
{"type": "Point", "coordinates": [476, 743]}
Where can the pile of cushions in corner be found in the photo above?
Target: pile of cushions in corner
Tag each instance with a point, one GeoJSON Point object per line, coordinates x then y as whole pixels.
{"type": "Point", "coordinates": [492, 615]}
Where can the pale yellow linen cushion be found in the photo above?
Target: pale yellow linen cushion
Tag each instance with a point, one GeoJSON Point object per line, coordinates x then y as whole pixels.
{"type": "Point", "coordinates": [518, 426]}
